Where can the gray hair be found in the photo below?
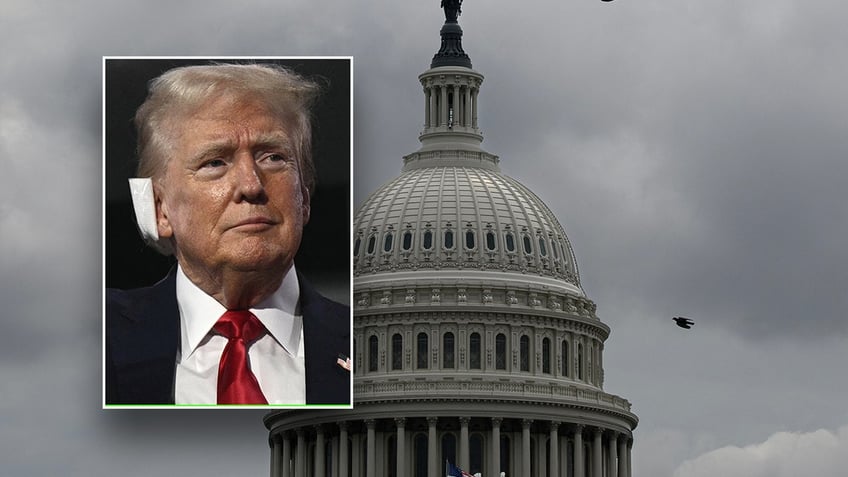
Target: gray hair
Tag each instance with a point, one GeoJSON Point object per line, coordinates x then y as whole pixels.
{"type": "Point", "coordinates": [181, 91]}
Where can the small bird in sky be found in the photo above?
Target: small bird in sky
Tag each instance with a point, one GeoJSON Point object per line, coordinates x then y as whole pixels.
{"type": "Point", "coordinates": [683, 322]}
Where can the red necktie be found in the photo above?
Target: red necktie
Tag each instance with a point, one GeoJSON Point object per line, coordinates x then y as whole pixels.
{"type": "Point", "coordinates": [236, 383]}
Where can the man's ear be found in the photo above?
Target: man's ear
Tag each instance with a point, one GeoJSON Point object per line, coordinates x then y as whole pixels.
{"type": "Point", "coordinates": [163, 224]}
{"type": "Point", "coordinates": [305, 206]}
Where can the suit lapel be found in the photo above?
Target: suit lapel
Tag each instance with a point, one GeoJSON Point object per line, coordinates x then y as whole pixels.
{"type": "Point", "coordinates": [326, 334]}
{"type": "Point", "coordinates": [145, 342]}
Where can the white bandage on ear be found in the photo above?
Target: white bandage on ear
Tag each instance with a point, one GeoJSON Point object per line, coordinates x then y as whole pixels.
{"type": "Point", "coordinates": [144, 204]}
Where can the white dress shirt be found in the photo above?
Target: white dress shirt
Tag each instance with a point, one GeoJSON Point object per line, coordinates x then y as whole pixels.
{"type": "Point", "coordinates": [276, 358]}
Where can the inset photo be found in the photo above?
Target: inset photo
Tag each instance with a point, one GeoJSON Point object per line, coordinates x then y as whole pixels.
{"type": "Point", "coordinates": [227, 225]}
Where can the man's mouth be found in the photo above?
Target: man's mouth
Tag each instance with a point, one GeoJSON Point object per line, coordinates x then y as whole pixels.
{"type": "Point", "coordinates": [255, 224]}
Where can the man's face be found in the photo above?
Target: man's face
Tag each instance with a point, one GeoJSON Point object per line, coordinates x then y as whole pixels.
{"type": "Point", "coordinates": [232, 196]}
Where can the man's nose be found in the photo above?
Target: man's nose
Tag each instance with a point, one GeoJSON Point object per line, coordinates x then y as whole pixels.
{"type": "Point", "coordinates": [248, 177]}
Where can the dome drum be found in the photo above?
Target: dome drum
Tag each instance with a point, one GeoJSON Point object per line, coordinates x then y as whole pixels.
{"type": "Point", "coordinates": [406, 439]}
{"type": "Point", "coordinates": [471, 295]}
{"type": "Point", "coordinates": [448, 158]}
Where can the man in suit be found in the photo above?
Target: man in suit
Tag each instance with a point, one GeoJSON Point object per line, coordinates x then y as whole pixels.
{"type": "Point", "coordinates": [225, 151]}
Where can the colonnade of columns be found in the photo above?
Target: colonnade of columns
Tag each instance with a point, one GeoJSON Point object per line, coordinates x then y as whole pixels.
{"type": "Point", "coordinates": [390, 448]}
{"type": "Point", "coordinates": [450, 104]}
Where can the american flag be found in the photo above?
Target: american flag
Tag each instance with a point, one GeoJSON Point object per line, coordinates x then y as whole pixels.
{"type": "Point", "coordinates": [454, 471]}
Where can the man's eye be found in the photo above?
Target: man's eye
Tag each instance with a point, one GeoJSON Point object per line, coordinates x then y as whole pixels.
{"type": "Point", "coordinates": [214, 163]}
{"type": "Point", "coordinates": [275, 157]}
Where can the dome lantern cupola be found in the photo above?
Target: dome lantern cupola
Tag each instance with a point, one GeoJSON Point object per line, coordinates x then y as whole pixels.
{"type": "Point", "coordinates": [450, 87]}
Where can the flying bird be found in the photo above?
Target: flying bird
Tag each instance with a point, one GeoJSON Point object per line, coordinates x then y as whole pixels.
{"type": "Point", "coordinates": [683, 322]}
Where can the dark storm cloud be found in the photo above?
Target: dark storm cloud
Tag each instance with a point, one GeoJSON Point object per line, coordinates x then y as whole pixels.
{"type": "Point", "coordinates": [719, 157]}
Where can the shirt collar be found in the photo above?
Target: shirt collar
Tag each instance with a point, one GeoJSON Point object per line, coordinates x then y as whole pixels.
{"type": "Point", "coordinates": [279, 313]}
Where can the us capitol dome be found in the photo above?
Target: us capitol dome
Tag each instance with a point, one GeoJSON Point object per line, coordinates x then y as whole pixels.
{"type": "Point", "coordinates": [474, 342]}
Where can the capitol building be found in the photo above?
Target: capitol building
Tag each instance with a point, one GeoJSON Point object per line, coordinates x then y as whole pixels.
{"type": "Point", "coordinates": [474, 342]}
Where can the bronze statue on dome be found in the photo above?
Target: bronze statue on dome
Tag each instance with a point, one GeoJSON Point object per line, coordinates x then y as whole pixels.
{"type": "Point", "coordinates": [452, 10]}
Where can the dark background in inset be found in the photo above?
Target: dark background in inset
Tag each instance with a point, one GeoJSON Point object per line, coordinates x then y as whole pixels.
{"type": "Point", "coordinates": [324, 255]}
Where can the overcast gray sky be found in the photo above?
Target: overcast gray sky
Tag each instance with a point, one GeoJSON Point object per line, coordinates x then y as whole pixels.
{"type": "Point", "coordinates": [695, 152]}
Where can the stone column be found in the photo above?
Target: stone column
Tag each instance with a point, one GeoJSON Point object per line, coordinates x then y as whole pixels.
{"type": "Point", "coordinates": [320, 451]}
{"type": "Point", "coordinates": [554, 449]}
{"type": "Point", "coordinates": [622, 456]}
{"type": "Point", "coordinates": [343, 449]}
{"type": "Point", "coordinates": [371, 455]}
{"type": "Point", "coordinates": [466, 121]}
{"type": "Point", "coordinates": [578, 452]}
{"type": "Point", "coordinates": [597, 449]}
{"type": "Point", "coordinates": [443, 111]}
{"type": "Point", "coordinates": [496, 446]}
{"type": "Point", "coordinates": [275, 455]}
{"type": "Point", "coordinates": [613, 455]}
{"type": "Point", "coordinates": [400, 422]}
{"type": "Point", "coordinates": [474, 108]}
{"type": "Point", "coordinates": [300, 457]}
{"type": "Point", "coordinates": [463, 443]}
{"type": "Point", "coordinates": [525, 446]}
{"type": "Point", "coordinates": [426, 107]}
{"type": "Point", "coordinates": [285, 465]}
{"type": "Point", "coordinates": [629, 459]}
{"type": "Point", "coordinates": [456, 110]}
{"type": "Point", "coordinates": [432, 448]}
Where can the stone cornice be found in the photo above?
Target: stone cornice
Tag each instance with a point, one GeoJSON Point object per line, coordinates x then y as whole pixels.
{"type": "Point", "coordinates": [585, 413]}
{"type": "Point", "coordinates": [469, 390]}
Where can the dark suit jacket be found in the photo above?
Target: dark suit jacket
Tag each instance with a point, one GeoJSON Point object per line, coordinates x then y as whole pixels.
{"type": "Point", "coordinates": [143, 336]}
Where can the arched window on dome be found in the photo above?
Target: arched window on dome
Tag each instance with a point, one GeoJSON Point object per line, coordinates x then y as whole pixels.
{"type": "Point", "coordinates": [397, 351]}
{"type": "Point", "coordinates": [500, 351]}
{"type": "Point", "coordinates": [524, 353]}
{"type": "Point", "coordinates": [387, 241]}
{"type": "Point", "coordinates": [470, 243]}
{"type": "Point", "coordinates": [543, 249]}
{"type": "Point", "coordinates": [448, 350]}
{"type": "Point", "coordinates": [448, 239]}
{"type": "Point", "coordinates": [565, 360]}
{"type": "Point", "coordinates": [448, 448]}
{"type": "Point", "coordinates": [427, 241]}
{"type": "Point", "coordinates": [328, 459]}
{"type": "Point", "coordinates": [391, 458]}
{"type": "Point", "coordinates": [372, 244]}
{"type": "Point", "coordinates": [356, 244]}
{"type": "Point", "coordinates": [580, 361]}
{"type": "Point", "coordinates": [505, 454]}
{"type": "Point", "coordinates": [373, 352]}
{"type": "Point", "coordinates": [546, 355]}
{"type": "Point", "coordinates": [528, 245]}
{"type": "Point", "coordinates": [490, 241]}
{"type": "Point", "coordinates": [474, 351]}
{"type": "Point", "coordinates": [407, 241]}
{"type": "Point", "coordinates": [423, 349]}
{"type": "Point", "coordinates": [509, 241]}
{"type": "Point", "coordinates": [533, 461]}
{"type": "Point", "coordinates": [555, 248]}
{"type": "Point", "coordinates": [475, 453]}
